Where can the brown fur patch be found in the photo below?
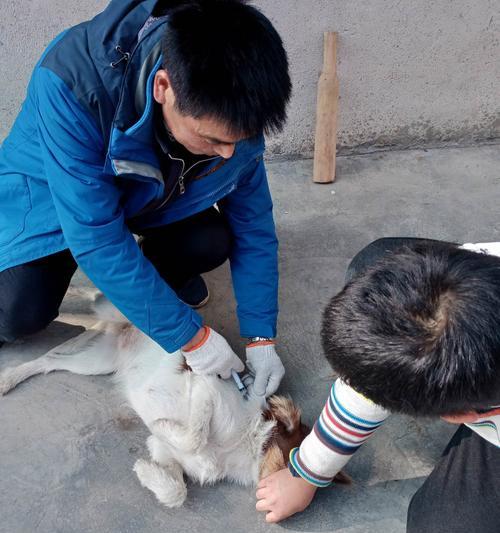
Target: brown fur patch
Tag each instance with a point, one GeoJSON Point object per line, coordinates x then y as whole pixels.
{"type": "Point", "coordinates": [128, 337]}
{"type": "Point", "coordinates": [288, 434]}
{"type": "Point", "coordinates": [272, 461]}
{"type": "Point", "coordinates": [285, 411]}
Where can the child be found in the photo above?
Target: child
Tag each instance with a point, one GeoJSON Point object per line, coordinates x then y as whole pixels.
{"type": "Point", "coordinates": [415, 330]}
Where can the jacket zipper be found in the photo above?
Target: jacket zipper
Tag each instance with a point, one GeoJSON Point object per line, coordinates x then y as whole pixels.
{"type": "Point", "coordinates": [181, 178]}
{"type": "Point", "coordinates": [183, 175]}
{"type": "Point", "coordinates": [213, 194]}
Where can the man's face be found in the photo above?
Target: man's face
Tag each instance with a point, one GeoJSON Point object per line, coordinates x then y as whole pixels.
{"type": "Point", "coordinates": [203, 136]}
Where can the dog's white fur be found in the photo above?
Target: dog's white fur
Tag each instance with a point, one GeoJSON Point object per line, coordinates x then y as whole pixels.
{"type": "Point", "coordinates": [200, 425]}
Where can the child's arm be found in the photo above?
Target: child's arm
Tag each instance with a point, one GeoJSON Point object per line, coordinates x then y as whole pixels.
{"type": "Point", "coordinates": [347, 420]}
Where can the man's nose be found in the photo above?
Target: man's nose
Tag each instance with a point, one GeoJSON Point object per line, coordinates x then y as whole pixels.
{"type": "Point", "coordinates": [225, 150]}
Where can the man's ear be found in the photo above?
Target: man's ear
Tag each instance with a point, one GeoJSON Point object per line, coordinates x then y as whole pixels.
{"type": "Point", "coordinates": [161, 87]}
{"type": "Point", "coordinates": [462, 418]}
{"type": "Point", "coordinates": [471, 416]}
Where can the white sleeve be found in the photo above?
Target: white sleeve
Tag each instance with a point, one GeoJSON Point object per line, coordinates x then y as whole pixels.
{"type": "Point", "coordinates": [346, 422]}
{"type": "Point", "coordinates": [489, 248]}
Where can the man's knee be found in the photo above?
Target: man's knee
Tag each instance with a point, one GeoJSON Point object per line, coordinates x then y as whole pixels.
{"type": "Point", "coordinates": [204, 240]}
{"type": "Point", "coordinates": [430, 511]}
{"type": "Point", "coordinates": [417, 517]}
{"type": "Point", "coordinates": [214, 243]}
{"type": "Point", "coordinates": [24, 318]}
{"type": "Point", "coordinates": [208, 245]}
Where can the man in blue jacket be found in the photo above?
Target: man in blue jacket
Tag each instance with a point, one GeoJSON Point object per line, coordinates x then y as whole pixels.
{"type": "Point", "coordinates": [137, 123]}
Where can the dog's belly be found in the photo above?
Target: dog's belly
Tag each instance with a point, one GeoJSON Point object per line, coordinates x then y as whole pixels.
{"type": "Point", "coordinates": [237, 435]}
{"type": "Point", "coordinates": [153, 383]}
{"type": "Point", "coordinates": [236, 429]}
{"type": "Point", "coordinates": [158, 390]}
{"type": "Point", "coordinates": [238, 459]}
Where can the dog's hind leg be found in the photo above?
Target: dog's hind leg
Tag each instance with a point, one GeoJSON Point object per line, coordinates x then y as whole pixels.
{"type": "Point", "coordinates": [11, 377]}
{"type": "Point", "coordinates": [93, 352]}
{"type": "Point", "coordinates": [163, 475]}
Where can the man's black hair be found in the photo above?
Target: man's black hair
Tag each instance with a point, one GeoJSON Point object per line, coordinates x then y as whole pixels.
{"type": "Point", "coordinates": [419, 331]}
{"type": "Point", "coordinates": [226, 61]}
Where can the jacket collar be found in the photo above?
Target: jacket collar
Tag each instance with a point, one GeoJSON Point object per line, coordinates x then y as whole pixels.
{"type": "Point", "coordinates": [118, 25]}
{"type": "Point", "coordinates": [131, 142]}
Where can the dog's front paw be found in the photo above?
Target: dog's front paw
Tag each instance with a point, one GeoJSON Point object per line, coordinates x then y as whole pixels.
{"type": "Point", "coordinates": [165, 481]}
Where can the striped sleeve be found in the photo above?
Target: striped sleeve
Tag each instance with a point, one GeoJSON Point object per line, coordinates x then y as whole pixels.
{"type": "Point", "coordinates": [347, 420]}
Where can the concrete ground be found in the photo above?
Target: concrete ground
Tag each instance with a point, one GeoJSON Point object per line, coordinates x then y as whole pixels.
{"type": "Point", "coordinates": [69, 442]}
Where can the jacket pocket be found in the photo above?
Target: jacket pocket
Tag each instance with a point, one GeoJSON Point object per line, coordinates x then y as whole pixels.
{"type": "Point", "coordinates": [15, 204]}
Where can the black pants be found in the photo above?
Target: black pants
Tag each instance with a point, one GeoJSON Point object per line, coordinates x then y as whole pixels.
{"type": "Point", "coordinates": [30, 294]}
{"type": "Point", "coordinates": [462, 494]}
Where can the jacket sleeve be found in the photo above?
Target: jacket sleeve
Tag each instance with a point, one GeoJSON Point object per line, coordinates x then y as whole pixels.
{"type": "Point", "coordinates": [88, 206]}
{"type": "Point", "coordinates": [346, 422]}
{"type": "Point", "coordinates": [254, 255]}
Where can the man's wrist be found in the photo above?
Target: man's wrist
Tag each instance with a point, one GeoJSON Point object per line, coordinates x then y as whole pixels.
{"type": "Point", "coordinates": [198, 340]}
{"type": "Point", "coordinates": [257, 341]}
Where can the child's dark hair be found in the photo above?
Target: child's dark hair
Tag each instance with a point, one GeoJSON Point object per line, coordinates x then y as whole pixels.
{"type": "Point", "coordinates": [226, 61]}
{"type": "Point", "coordinates": [419, 331]}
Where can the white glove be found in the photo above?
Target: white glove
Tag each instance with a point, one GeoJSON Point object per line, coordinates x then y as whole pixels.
{"type": "Point", "coordinates": [213, 355]}
{"type": "Point", "coordinates": [265, 364]}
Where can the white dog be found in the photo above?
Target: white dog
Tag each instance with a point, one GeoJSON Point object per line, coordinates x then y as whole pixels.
{"type": "Point", "coordinates": [200, 425]}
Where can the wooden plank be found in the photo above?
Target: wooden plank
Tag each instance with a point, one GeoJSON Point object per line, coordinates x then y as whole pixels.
{"type": "Point", "coordinates": [326, 113]}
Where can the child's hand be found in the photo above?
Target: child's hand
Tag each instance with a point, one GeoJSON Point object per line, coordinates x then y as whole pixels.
{"type": "Point", "coordinates": [281, 495]}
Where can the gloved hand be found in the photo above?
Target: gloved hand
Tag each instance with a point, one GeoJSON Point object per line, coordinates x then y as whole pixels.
{"type": "Point", "coordinates": [265, 364]}
{"type": "Point", "coordinates": [213, 355]}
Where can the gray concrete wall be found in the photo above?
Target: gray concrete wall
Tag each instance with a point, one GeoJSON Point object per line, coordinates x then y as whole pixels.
{"type": "Point", "coordinates": [412, 73]}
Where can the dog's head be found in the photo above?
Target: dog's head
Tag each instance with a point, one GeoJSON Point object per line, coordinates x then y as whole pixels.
{"type": "Point", "coordinates": [288, 433]}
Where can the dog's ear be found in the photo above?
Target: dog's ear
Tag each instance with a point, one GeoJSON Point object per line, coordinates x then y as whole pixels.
{"type": "Point", "coordinates": [285, 412]}
{"type": "Point", "coordinates": [289, 433]}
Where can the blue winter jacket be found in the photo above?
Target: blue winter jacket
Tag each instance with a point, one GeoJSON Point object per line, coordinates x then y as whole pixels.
{"type": "Point", "coordinates": [79, 164]}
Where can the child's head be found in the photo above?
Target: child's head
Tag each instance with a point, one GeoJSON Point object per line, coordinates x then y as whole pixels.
{"type": "Point", "coordinates": [419, 331]}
